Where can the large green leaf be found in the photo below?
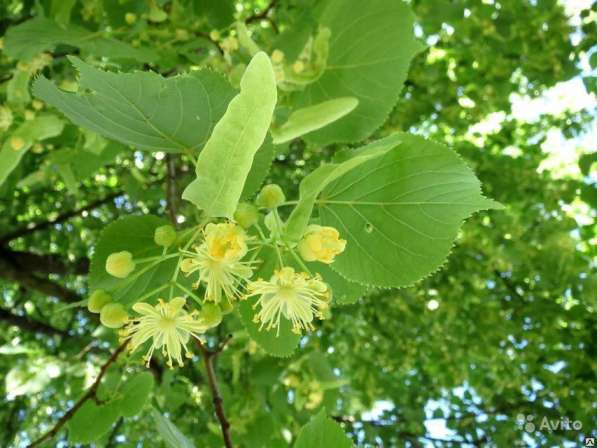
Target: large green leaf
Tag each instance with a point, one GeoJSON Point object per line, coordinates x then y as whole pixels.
{"type": "Point", "coordinates": [317, 180]}
{"type": "Point", "coordinates": [309, 119]}
{"type": "Point", "coordinates": [401, 212]}
{"type": "Point", "coordinates": [143, 109]}
{"type": "Point", "coordinates": [135, 392]}
{"type": "Point", "coordinates": [226, 160]}
{"type": "Point", "coordinates": [39, 34]}
{"type": "Point", "coordinates": [369, 55]}
{"type": "Point", "coordinates": [259, 169]}
{"type": "Point", "coordinates": [40, 128]}
{"type": "Point", "coordinates": [92, 421]}
{"type": "Point", "coordinates": [135, 235]}
{"type": "Point", "coordinates": [171, 435]}
{"type": "Point", "coordinates": [322, 431]}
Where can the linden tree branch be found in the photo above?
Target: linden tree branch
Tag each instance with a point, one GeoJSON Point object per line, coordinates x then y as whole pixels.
{"type": "Point", "coordinates": [208, 357]}
{"type": "Point", "coordinates": [90, 394]}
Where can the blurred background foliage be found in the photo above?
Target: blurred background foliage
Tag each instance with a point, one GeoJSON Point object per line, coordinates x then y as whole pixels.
{"type": "Point", "coordinates": [506, 328]}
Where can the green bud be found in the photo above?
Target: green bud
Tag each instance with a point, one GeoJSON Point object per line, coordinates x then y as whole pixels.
{"type": "Point", "coordinates": [270, 196]}
{"type": "Point", "coordinates": [120, 264]}
{"type": "Point", "coordinates": [164, 235]}
{"type": "Point", "coordinates": [226, 306]}
{"type": "Point", "coordinates": [211, 314]}
{"type": "Point", "coordinates": [97, 300]}
{"type": "Point", "coordinates": [246, 215]}
{"type": "Point", "coordinates": [113, 315]}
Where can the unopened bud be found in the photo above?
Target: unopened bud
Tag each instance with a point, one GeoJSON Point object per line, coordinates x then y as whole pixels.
{"type": "Point", "coordinates": [277, 56]}
{"type": "Point", "coordinates": [97, 300]}
{"type": "Point", "coordinates": [164, 236]}
{"type": "Point", "coordinates": [113, 315]}
{"type": "Point", "coordinates": [211, 314]}
{"type": "Point", "coordinates": [130, 18]}
{"type": "Point", "coordinates": [17, 143]}
{"type": "Point", "coordinates": [120, 264]}
{"type": "Point", "coordinates": [270, 196]}
{"type": "Point", "coordinates": [298, 67]}
{"type": "Point", "coordinates": [246, 215]}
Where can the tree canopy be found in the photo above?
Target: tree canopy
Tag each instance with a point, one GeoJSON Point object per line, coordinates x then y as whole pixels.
{"type": "Point", "coordinates": [457, 303]}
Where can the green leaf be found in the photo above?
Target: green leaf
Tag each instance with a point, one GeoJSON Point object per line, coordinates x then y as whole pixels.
{"type": "Point", "coordinates": [401, 212]}
{"type": "Point", "coordinates": [316, 181]}
{"type": "Point", "coordinates": [39, 34]}
{"type": "Point", "coordinates": [169, 432]}
{"type": "Point", "coordinates": [308, 119]}
{"type": "Point", "coordinates": [135, 235]}
{"type": "Point", "coordinates": [40, 128]}
{"type": "Point", "coordinates": [135, 392]}
{"type": "Point", "coordinates": [322, 431]}
{"type": "Point", "coordinates": [17, 89]}
{"type": "Point", "coordinates": [143, 110]}
{"type": "Point", "coordinates": [344, 292]}
{"type": "Point", "coordinates": [369, 56]}
{"type": "Point", "coordinates": [226, 160]}
{"type": "Point", "coordinates": [92, 421]}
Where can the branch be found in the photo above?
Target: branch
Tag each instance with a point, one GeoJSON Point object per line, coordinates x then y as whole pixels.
{"type": "Point", "coordinates": [11, 271]}
{"type": "Point", "coordinates": [34, 227]}
{"type": "Point", "coordinates": [263, 14]}
{"type": "Point", "coordinates": [24, 323]}
{"type": "Point", "coordinates": [208, 357]}
{"type": "Point", "coordinates": [46, 263]}
{"type": "Point", "coordinates": [90, 394]}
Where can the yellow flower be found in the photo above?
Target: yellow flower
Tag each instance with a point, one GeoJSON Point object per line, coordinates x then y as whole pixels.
{"type": "Point", "coordinates": [221, 276]}
{"type": "Point", "coordinates": [225, 241]}
{"type": "Point", "coordinates": [294, 295]}
{"type": "Point", "coordinates": [169, 327]}
{"type": "Point", "coordinates": [321, 244]}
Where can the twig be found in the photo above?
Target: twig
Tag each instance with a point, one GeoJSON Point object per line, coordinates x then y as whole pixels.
{"type": "Point", "coordinates": [31, 228]}
{"type": "Point", "coordinates": [263, 14]}
{"type": "Point", "coordinates": [171, 190]}
{"type": "Point", "coordinates": [208, 357]}
{"type": "Point", "coordinates": [24, 323]}
{"type": "Point", "coordinates": [90, 394]}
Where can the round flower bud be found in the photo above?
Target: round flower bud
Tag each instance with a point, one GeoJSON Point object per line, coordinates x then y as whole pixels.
{"type": "Point", "coordinates": [298, 67]}
{"type": "Point", "coordinates": [187, 265]}
{"type": "Point", "coordinates": [182, 34]}
{"type": "Point", "coordinates": [130, 18]}
{"type": "Point", "coordinates": [5, 118]}
{"type": "Point", "coordinates": [113, 315]}
{"type": "Point", "coordinates": [37, 104]}
{"type": "Point", "coordinates": [210, 314]}
{"type": "Point", "coordinates": [321, 244]}
{"type": "Point", "coordinates": [277, 56]}
{"type": "Point", "coordinates": [97, 300]}
{"type": "Point", "coordinates": [246, 215]}
{"type": "Point", "coordinates": [226, 306]}
{"type": "Point", "coordinates": [214, 35]}
{"type": "Point", "coordinates": [29, 115]}
{"type": "Point", "coordinates": [17, 143]}
{"type": "Point", "coordinates": [120, 264]}
{"type": "Point", "coordinates": [270, 196]}
{"type": "Point", "coordinates": [164, 236]}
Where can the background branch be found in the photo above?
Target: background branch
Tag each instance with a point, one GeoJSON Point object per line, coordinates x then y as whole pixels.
{"type": "Point", "coordinates": [91, 393]}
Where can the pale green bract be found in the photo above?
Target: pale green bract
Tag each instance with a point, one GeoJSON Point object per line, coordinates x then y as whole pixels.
{"type": "Point", "coordinates": [309, 119]}
{"type": "Point", "coordinates": [225, 162]}
{"type": "Point", "coordinates": [171, 435]}
{"type": "Point", "coordinates": [400, 212]}
{"type": "Point", "coordinates": [143, 109]}
{"type": "Point", "coordinates": [40, 128]}
{"type": "Point", "coordinates": [369, 57]}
